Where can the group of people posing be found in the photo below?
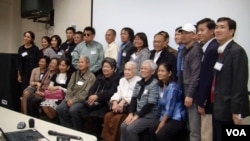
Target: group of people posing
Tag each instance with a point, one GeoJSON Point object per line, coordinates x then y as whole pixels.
{"type": "Point", "coordinates": [129, 92]}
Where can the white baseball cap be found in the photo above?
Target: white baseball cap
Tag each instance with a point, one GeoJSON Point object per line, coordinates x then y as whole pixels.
{"type": "Point", "coordinates": [189, 28]}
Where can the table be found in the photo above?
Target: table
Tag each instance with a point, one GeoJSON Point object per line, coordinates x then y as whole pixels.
{"type": "Point", "coordinates": [9, 120]}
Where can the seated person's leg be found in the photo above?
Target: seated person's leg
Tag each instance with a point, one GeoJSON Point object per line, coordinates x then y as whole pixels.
{"type": "Point", "coordinates": [28, 103]}
{"type": "Point", "coordinates": [170, 129]}
{"type": "Point", "coordinates": [36, 105]}
{"type": "Point", "coordinates": [33, 104]}
{"type": "Point", "coordinates": [26, 93]}
{"type": "Point", "coordinates": [63, 114]}
{"type": "Point", "coordinates": [112, 123]}
{"type": "Point", "coordinates": [76, 118]}
{"type": "Point", "coordinates": [153, 127]}
{"type": "Point", "coordinates": [137, 127]}
{"type": "Point", "coordinates": [123, 129]}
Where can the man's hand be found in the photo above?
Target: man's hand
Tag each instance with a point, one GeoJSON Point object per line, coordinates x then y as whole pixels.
{"type": "Point", "coordinates": [201, 110]}
{"type": "Point", "coordinates": [237, 119]}
{"type": "Point", "coordinates": [188, 101]}
{"type": "Point", "coordinates": [19, 78]}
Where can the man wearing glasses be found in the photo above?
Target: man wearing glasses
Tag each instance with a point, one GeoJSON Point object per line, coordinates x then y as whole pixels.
{"type": "Point", "coordinates": [90, 48]}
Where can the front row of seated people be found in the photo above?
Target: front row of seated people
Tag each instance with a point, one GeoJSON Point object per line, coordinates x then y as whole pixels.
{"type": "Point", "coordinates": [128, 106]}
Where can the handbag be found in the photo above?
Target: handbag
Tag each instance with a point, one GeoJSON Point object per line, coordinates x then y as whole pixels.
{"type": "Point", "coordinates": [57, 94]}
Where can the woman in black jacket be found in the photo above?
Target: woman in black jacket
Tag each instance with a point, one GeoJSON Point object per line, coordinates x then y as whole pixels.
{"type": "Point", "coordinates": [100, 93]}
{"type": "Point", "coordinates": [28, 57]}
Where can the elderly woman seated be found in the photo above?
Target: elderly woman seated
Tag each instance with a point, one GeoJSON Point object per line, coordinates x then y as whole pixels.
{"type": "Point", "coordinates": [143, 107]}
{"type": "Point", "coordinates": [96, 105]}
{"type": "Point", "coordinates": [120, 102]}
{"type": "Point", "coordinates": [77, 90]}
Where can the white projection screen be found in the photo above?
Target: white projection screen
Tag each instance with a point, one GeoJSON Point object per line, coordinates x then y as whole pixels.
{"type": "Point", "coordinates": [152, 16]}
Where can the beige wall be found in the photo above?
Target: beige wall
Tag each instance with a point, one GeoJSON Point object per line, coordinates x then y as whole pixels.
{"type": "Point", "coordinates": [67, 13]}
{"type": "Point", "coordinates": [10, 24]}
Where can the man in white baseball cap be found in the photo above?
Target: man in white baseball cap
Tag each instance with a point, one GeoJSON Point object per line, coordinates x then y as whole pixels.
{"type": "Point", "coordinates": [189, 28]}
{"type": "Point", "coordinates": [189, 77]}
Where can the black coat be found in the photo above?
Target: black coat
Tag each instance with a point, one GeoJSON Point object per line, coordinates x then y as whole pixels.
{"type": "Point", "coordinates": [104, 88]}
{"type": "Point", "coordinates": [231, 92]}
{"type": "Point", "coordinates": [206, 76]}
{"type": "Point", "coordinates": [165, 56]}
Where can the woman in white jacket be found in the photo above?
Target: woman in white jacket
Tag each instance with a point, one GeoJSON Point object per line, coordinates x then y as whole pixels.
{"type": "Point", "coordinates": [119, 103]}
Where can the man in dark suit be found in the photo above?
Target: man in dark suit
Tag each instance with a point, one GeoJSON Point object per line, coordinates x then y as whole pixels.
{"type": "Point", "coordinates": [206, 28]}
{"type": "Point", "coordinates": [231, 93]}
{"type": "Point", "coordinates": [123, 56]}
{"type": "Point", "coordinates": [160, 54]}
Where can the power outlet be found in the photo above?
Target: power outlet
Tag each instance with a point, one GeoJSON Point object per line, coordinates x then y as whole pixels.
{"type": "Point", "coordinates": [4, 102]}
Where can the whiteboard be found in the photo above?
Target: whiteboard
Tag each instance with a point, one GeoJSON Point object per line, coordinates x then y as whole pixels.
{"type": "Point", "coordinates": [152, 16]}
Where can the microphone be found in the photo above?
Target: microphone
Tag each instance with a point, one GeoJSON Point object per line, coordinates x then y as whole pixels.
{"type": "Point", "coordinates": [51, 132]}
{"type": "Point", "coordinates": [31, 123]}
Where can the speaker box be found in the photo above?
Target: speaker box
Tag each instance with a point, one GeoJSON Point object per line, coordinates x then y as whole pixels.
{"type": "Point", "coordinates": [36, 8]}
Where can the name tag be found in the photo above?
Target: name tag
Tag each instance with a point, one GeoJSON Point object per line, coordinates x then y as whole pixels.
{"type": "Point", "coordinates": [59, 53]}
{"type": "Point", "coordinates": [93, 52]}
{"type": "Point", "coordinates": [62, 81]}
{"type": "Point", "coordinates": [24, 54]}
{"type": "Point", "coordinates": [134, 56]}
{"type": "Point", "coordinates": [161, 94]}
{"type": "Point", "coordinates": [80, 83]}
{"type": "Point", "coordinates": [41, 76]}
{"type": "Point", "coordinates": [218, 66]}
{"type": "Point", "coordinates": [145, 91]}
{"type": "Point", "coordinates": [124, 54]}
{"type": "Point", "coordinates": [71, 53]}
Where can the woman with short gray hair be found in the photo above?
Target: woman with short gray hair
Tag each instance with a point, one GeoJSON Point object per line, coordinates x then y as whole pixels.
{"type": "Point", "coordinates": [77, 90]}
{"type": "Point", "coordinates": [120, 102]}
{"type": "Point", "coordinates": [143, 107]}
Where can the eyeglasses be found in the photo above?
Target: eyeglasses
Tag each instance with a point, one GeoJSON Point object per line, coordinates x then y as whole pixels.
{"type": "Point", "coordinates": [86, 34]}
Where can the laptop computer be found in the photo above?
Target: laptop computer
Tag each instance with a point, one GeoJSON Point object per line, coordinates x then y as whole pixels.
{"type": "Point", "coordinates": [22, 135]}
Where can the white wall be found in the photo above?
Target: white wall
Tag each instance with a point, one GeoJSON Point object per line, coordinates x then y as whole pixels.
{"type": "Point", "coordinates": [151, 16]}
{"type": "Point", "coordinates": [67, 13]}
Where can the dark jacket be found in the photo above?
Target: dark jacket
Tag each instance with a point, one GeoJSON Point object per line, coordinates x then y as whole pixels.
{"type": "Point", "coordinates": [68, 48]}
{"type": "Point", "coordinates": [191, 69]}
{"type": "Point", "coordinates": [206, 76]}
{"type": "Point", "coordinates": [165, 56]}
{"type": "Point", "coordinates": [104, 88]}
{"type": "Point", "coordinates": [125, 57]}
{"type": "Point", "coordinates": [231, 92]}
{"type": "Point", "coordinates": [27, 62]}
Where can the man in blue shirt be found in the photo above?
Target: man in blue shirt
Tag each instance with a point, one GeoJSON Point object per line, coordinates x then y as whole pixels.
{"type": "Point", "coordinates": [90, 48]}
